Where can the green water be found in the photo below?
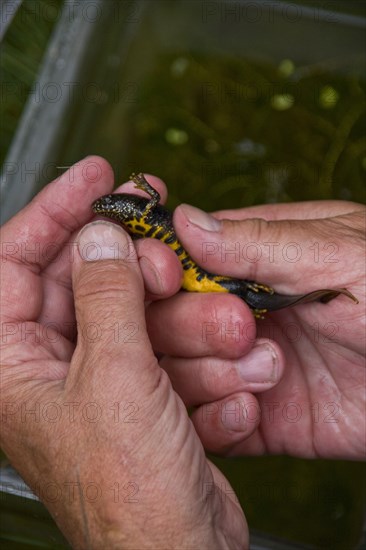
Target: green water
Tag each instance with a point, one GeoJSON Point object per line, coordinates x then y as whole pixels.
{"type": "Point", "coordinates": [229, 120]}
{"type": "Point", "coordinates": [224, 131]}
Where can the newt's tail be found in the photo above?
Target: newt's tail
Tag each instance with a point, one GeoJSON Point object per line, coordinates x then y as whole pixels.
{"type": "Point", "coordinates": [262, 300]}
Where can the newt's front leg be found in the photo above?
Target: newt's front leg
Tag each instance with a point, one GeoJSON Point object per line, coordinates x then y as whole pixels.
{"type": "Point", "coordinates": [141, 183]}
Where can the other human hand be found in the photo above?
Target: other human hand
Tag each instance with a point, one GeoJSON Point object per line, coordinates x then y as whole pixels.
{"type": "Point", "coordinates": [313, 407]}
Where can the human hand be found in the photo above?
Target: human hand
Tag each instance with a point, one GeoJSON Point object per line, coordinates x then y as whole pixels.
{"type": "Point", "coordinates": [94, 427]}
{"type": "Point", "coordinates": [313, 407]}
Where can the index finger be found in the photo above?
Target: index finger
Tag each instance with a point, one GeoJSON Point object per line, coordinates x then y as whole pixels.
{"type": "Point", "coordinates": [35, 236]}
{"type": "Point", "coordinates": [291, 211]}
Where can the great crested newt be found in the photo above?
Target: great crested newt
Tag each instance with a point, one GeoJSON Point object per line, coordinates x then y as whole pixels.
{"type": "Point", "coordinates": [143, 217]}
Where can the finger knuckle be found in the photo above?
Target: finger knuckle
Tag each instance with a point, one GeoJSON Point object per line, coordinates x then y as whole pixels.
{"type": "Point", "coordinates": [224, 324]}
{"type": "Point", "coordinates": [108, 282]}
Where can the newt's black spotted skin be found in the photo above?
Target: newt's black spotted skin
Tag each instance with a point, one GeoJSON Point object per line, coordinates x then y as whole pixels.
{"type": "Point", "coordinates": [147, 218]}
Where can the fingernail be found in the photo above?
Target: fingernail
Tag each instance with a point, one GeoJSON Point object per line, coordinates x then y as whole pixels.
{"type": "Point", "coordinates": [200, 219]}
{"type": "Point", "coordinates": [233, 416]}
{"type": "Point", "coordinates": [102, 240]}
{"type": "Point", "coordinates": [260, 365]}
{"type": "Point", "coordinates": [149, 271]}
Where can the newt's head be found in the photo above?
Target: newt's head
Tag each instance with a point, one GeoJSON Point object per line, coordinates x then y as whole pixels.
{"type": "Point", "coordinates": [119, 206]}
{"type": "Point", "coordinates": [106, 205]}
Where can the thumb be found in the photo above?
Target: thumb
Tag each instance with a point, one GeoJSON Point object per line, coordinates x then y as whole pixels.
{"type": "Point", "coordinates": [109, 306]}
{"type": "Point", "coordinates": [288, 254]}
